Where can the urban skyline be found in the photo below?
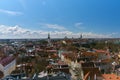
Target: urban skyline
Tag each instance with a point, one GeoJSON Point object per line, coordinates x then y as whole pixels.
{"type": "Point", "coordinates": [35, 19]}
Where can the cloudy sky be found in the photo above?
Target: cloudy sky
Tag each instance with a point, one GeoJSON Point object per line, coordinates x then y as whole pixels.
{"type": "Point", "coordinates": [60, 18]}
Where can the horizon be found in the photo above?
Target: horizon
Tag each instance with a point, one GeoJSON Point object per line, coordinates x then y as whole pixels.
{"type": "Point", "coordinates": [35, 19]}
{"type": "Point", "coordinates": [51, 38]}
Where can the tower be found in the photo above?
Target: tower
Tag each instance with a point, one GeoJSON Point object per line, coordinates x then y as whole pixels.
{"type": "Point", "coordinates": [49, 40]}
{"type": "Point", "coordinates": [48, 36]}
{"type": "Point", "coordinates": [80, 40]}
{"type": "Point", "coordinates": [80, 36]}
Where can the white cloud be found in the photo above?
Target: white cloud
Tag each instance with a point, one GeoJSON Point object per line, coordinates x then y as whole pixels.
{"type": "Point", "coordinates": [95, 35]}
{"type": "Point", "coordinates": [19, 32]}
{"type": "Point", "coordinates": [10, 12]}
{"type": "Point", "coordinates": [79, 25]}
{"type": "Point", "coordinates": [53, 26]}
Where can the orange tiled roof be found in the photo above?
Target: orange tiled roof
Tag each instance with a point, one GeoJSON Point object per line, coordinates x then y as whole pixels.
{"type": "Point", "coordinates": [111, 77]}
{"type": "Point", "coordinates": [88, 54]}
{"type": "Point", "coordinates": [71, 56]}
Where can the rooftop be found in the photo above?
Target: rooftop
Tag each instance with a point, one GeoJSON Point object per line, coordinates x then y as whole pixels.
{"type": "Point", "coordinates": [111, 77]}
{"type": "Point", "coordinates": [5, 61]}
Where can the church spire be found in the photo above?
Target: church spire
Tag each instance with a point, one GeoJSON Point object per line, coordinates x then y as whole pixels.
{"type": "Point", "coordinates": [48, 35]}
{"type": "Point", "coordinates": [49, 41]}
{"type": "Point", "coordinates": [81, 36]}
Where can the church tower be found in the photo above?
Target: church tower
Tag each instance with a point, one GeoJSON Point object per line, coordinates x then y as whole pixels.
{"type": "Point", "coordinates": [48, 36]}
{"type": "Point", "coordinates": [81, 37]}
{"type": "Point", "coordinates": [49, 40]}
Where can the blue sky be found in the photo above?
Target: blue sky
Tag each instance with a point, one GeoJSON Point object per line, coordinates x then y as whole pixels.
{"type": "Point", "coordinates": [37, 18]}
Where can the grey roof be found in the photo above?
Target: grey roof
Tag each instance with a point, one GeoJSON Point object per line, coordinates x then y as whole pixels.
{"type": "Point", "coordinates": [59, 76]}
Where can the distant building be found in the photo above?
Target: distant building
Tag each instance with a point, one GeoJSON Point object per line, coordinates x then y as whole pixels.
{"type": "Point", "coordinates": [7, 50]}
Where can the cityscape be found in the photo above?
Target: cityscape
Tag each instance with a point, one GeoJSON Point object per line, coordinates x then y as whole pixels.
{"type": "Point", "coordinates": [60, 59]}
{"type": "Point", "coordinates": [59, 40]}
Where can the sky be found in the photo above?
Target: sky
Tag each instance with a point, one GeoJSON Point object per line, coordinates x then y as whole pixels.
{"type": "Point", "coordinates": [60, 18]}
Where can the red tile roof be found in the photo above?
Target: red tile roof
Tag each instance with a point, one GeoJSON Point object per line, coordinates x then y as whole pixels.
{"type": "Point", "coordinates": [101, 51]}
{"type": "Point", "coordinates": [52, 51]}
{"type": "Point", "coordinates": [111, 77]}
{"type": "Point", "coordinates": [5, 61]}
{"type": "Point", "coordinates": [61, 63]}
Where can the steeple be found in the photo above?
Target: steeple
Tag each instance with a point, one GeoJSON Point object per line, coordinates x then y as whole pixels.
{"type": "Point", "coordinates": [81, 36]}
{"type": "Point", "coordinates": [49, 41]}
{"type": "Point", "coordinates": [48, 35]}
{"type": "Point", "coordinates": [65, 37]}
